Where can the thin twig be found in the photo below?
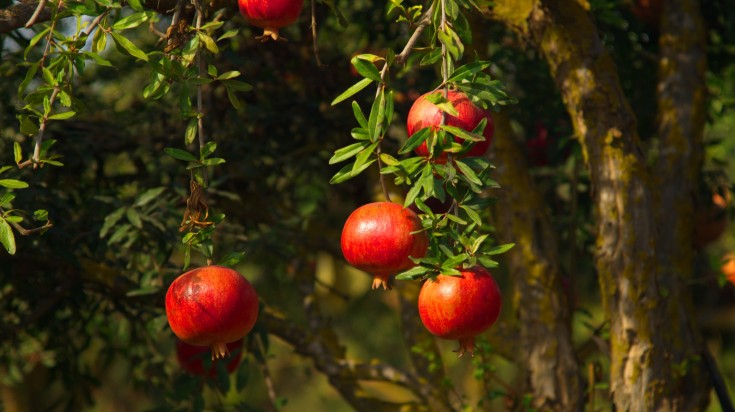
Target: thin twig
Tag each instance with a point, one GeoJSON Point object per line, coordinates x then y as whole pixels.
{"type": "Point", "coordinates": [38, 139]}
{"type": "Point", "coordinates": [34, 17]}
{"type": "Point", "coordinates": [25, 232]}
{"type": "Point", "coordinates": [267, 375]}
{"type": "Point", "coordinates": [313, 34]}
{"type": "Point", "coordinates": [411, 43]}
{"type": "Point", "coordinates": [95, 22]}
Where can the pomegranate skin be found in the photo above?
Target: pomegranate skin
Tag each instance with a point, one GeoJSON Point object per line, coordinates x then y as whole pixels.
{"type": "Point", "coordinates": [377, 238]}
{"type": "Point", "coordinates": [191, 358]}
{"type": "Point", "coordinates": [270, 15]}
{"type": "Point", "coordinates": [459, 308]}
{"type": "Point", "coordinates": [423, 114]}
{"type": "Point", "coordinates": [211, 306]}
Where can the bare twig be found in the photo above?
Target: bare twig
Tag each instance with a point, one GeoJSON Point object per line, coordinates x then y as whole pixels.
{"type": "Point", "coordinates": [95, 22]}
{"type": "Point", "coordinates": [34, 17]}
{"type": "Point", "coordinates": [411, 43]}
{"type": "Point", "coordinates": [313, 34]}
{"type": "Point", "coordinates": [273, 405]}
{"type": "Point", "coordinates": [25, 232]}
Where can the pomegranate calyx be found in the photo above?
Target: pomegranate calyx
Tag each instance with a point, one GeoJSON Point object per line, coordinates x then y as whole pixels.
{"type": "Point", "coordinates": [466, 345]}
{"type": "Point", "coordinates": [270, 33]}
{"type": "Point", "coordinates": [219, 350]}
{"type": "Point", "coordinates": [381, 281]}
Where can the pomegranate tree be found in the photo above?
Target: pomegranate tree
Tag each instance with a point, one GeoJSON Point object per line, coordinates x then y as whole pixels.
{"type": "Point", "coordinates": [211, 306]}
{"type": "Point", "coordinates": [424, 114]}
{"type": "Point", "coordinates": [379, 237]}
{"type": "Point", "coordinates": [460, 307]}
{"type": "Point", "coordinates": [192, 358]}
{"type": "Point", "coordinates": [270, 15]}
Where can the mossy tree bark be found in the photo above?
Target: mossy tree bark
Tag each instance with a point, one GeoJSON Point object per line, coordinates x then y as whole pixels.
{"type": "Point", "coordinates": [638, 294]}
{"type": "Point", "coordinates": [539, 300]}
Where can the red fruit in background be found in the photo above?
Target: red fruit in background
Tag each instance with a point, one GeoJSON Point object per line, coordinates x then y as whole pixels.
{"type": "Point", "coordinates": [192, 358]}
{"type": "Point", "coordinates": [538, 147]}
{"type": "Point", "coordinates": [270, 15]}
{"type": "Point", "coordinates": [648, 11]}
{"type": "Point", "coordinates": [423, 114]}
{"type": "Point", "coordinates": [454, 307]}
{"type": "Point", "coordinates": [211, 306]}
{"type": "Point", "coordinates": [377, 238]}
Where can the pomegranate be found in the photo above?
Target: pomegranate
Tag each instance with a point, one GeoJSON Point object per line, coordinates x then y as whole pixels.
{"type": "Point", "coordinates": [377, 238]}
{"type": "Point", "coordinates": [423, 114]}
{"type": "Point", "coordinates": [648, 11]}
{"type": "Point", "coordinates": [270, 15]}
{"type": "Point", "coordinates": [211, 306]}
{"type": "Point", "coordinates": [460, 307]}
{"type": "Point", "coordinates": [191, 358]}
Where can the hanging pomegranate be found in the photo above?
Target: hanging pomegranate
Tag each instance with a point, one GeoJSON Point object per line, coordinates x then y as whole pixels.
{"type": "Point", "coordinates": [460, 307]}
{"type": "Point", "coordinates": [423, 114]}
{"type": "Point", "coordinates": [379, 237]}
{"type": "Point", "coordinates": [211, 306]}
{"type": "Point", "coordinates": [270, 15]}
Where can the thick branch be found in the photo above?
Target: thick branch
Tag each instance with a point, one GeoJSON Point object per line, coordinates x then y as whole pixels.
{"type": "Point", "coordinates": [541, 304]}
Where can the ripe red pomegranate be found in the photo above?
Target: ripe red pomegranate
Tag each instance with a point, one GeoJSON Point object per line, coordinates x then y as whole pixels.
{"type": "Point", "coordinates": [191, 358]}
{"type": "Point", "coordinates": [377, 238]}
{"type": "Point", "coordinates": [423, 114]}
{"type": "Point", "coordinates": [270, 15]}
{"type": "Point", "coordinates": [453, 307]}
{"type": "Point", "coordinates": [211, 306]}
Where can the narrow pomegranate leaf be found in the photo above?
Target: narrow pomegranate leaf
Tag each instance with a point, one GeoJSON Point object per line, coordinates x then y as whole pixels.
{"type": "Point", "coordinates": [13, 184]}
{"type": "Point", "coordinates": [473, 215]}
{"type": "Point", "coordinates": [377, 116]}
{"type": "Point", "coordinates": [123, 44]}
{"type": "Point", "coordinates": [347, 152]}
{"type": "Point", "coordinates": [415, 140]}
{"type": "Point", "coordinates": [477, 243]}
{"type": "Point", "coordinates": [347, 172]}
{"type": "Point", "coordinates": [180, 154]}
{"type": "Point", "coordinates": [355, 88]}
{"type": "Point", "coordinates": [415, 272]}
{"type": "Point", "coordinates": [457, 219]}
{"type": "Point", "coordinates": [422, 207]}
{"type": "Point", "coordinates": [366, 69]}
{"type": "Point", "coordinates": [17, 152]}
{"type": "Point", "coordinates": [463, 134]}
{"type": "Point", "coordinates": [467, 172]}
{"type": "Point", "coordinates": [149, 195]}
{"type": "Point", "coordinates": [486, 262]}
{"type": "Point", "coordinates": [468, 70]}
{"type": "Point", "coordinates": [7, 238]}
{"type": "Point", "coordinates": [431, 57]}
{"type": "Point", "coordinates": [496, 250]}
{"type": "Point", "coordinates": [363, 157]}
{"type": "Point", "coordinates": [111, 220]}
{"type": "Point", "coordinates": [357, 111]}
{"type": "Point", "coordinates": [389, 160]}
{"type": "Point", "coordinates": [412, 194]}
{"type": "Point", "coordinates": [6, 198]}
{"type": "Point", "coordinates": [358, 133]}
{"type": "Point", "coordinates": [133, 217]}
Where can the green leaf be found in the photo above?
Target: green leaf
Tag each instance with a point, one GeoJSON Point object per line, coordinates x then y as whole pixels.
{"type": "Point", "coordinates": [456, 219]}
{"type": "Point", "coordinates": [135, 5]}
{"type": "Point", "coordinates": [99, 41]}
{"type": "Point", "coordinates": [228, 75]}
{"type": "Point", "coordinates": [191, 131]}
{"type": "Point", "coordinates": [415, 140]}
{"type": "Point", "coordinates": [355, 88]}
{"type": "Point", "coordinates": [41, 34]}
{"type": "Point", "coordinates": [133, 217]}
{"type": "Point", "coordinates": [415, 272]}
{"type": "Point", "coordinates": [463, 134]}
{"type": "Point", "coordinates": [17, 152]}
{"type": "Point", "coordinates": [366, 69]}
{"type": "Point", "coordinates": [487, 262]}
{"type": "Point", "coordinates": [363, 157]}
{"type": "Point", "coordinates": [234, 101]}
{"type": "Point", "coordinates": [467, 71]}
{"type": "Point", "coordinates": [431, 57]}
{"type": "Point", "coordinates": [473, 215]}
{"type": "Point", "coordinates": [213, 161]}
{"type": "Point", "coordinates": [442, 103]}
{"type": "Point", "coordinates": [496, 250]}
{"type": "Point", "coordinates": [180, 154]}
{"type": "Point", "coordinates": [412, 194]}
{"type": "Point", "coordinates": [13, 219]}
{"type": "Point", "coordinates": [132, 20]}
{"type": "Point", "coordinates": [111, 220]}
{"type": "Point", "coordinates": [28, 126]}
{"type": "Point", "coordinates": [208, 42]}
{"type": "Point", "coordinates": [207, 150]}
{"type": "Point", "coordinates": [347, 172]}
{"type": "Point", "coordinates": [228, 34]}
{"type": "Point", "coordinates": [454, 262]}
{"type": "Point", "coordinates": [347, 152]}
{"type": "Point", "coordinates": [477, 243]}
{"type": "Point", "coordinates": [448, 271]}
{"type": "Point", "coordinates": [467, 172]}
{"type": "Point", "coordinates": [40, 214]}
{"type": "Point", "coordinates": [7, 238]}
{"type": "Point", "coordinates": [97, 59]}
{"type": "Point", "coordinates": [123, 44]}
{"type": "Point", "coordinates": [6, 198]}
{"type": "Point", "coordinates": [147, 196]}
{"type": "Point", "coordinates": [231, 259]}
{"type": "Point", "coordinates": [144, 291]}
{"type": "Point", "coordinates": [63, 115]}
{"type": "Point", "coordinates": [358, 115]}
{"type": "Point", "coordinates": [389, 160]}
{"type": "Point", "coordinates": [13, 184]}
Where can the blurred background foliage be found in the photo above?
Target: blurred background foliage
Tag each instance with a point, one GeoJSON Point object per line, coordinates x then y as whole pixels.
{"type": "Point", "coordinates": [82, 325]}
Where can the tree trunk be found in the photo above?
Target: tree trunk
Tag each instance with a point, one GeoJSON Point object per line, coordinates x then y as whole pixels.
{"type": "Point", "coordinates": [541, 304]}
{"type": "Point", "coordinates": [635, 293]}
